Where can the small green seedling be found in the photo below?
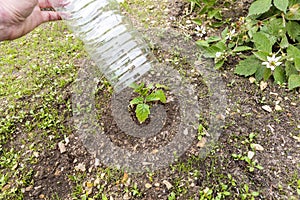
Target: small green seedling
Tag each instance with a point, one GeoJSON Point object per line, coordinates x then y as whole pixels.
{"type": "Point", "coordinates": [147, 95]}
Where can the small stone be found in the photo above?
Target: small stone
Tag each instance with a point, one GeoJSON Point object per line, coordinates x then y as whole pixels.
{"type": "Point", "coordinates": [263, 85]}
{"type": "Point", "coordinates": [29, 188]}
{"type": "Point", "coordinates": [80, 167]}
{"type": "Point", "coordinates": [267, 108]}
{"type": "Point", "coordinates": [36, 154]}
{"type": "Point", "coordinates": [252, 79]}
{"type": "Point", "coordinates": [148, 185]}
{"type": "Point", "coordinates": [97, 162]}
{"type": "Point", "coordinates": [126, 196]}
{"type": "Point", "coordinates": [278, 108]}
{"type": "Point", "coordinates": [250, 154]}
{"type": "Point", "coordinates": [186, 132]}
{"type": "Point", "coordinates": [67, 140]}
{"type": "Point", "coordinates": [167, 184]}
{"type": "Point", "coordinates": [156, 184]}
{"type": "Point", "coordinates": [257, 147]}
{"type": "Point", "coordinates": [62, 147]}
{"type": "Point", "coordinates": [41, 196]}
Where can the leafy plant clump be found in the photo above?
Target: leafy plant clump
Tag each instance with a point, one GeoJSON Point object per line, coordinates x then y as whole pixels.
{"type": "Point", "coordinates": [267, 41]}
{"type": "Point", "coordinates": [147, 95]}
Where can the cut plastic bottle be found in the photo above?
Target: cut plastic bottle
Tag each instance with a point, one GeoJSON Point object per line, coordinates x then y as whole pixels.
{"type": "Point", "coordinates": [110, 39]}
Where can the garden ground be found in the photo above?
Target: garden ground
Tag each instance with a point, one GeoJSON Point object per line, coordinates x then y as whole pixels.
{"type": "Point", "coordinates": [256, 157]}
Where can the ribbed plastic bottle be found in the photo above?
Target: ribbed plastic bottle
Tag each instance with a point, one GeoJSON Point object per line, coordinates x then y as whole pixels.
{"type": "Point", "coordinates": [110, 39]}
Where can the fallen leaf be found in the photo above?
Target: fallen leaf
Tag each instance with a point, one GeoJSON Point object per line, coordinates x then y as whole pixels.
{"type": "Point", "coordinates": [167, 184]}
{"type": "Point", "coordinates": [263, 85]}
{"type": "Point", "coordinates": [252, 79]}
{"type": "Point", "coordinates": [125, 178]}
{"type": "Point", "coordinates": [278, 108]}
{"type": "Point", "coordinates": [202, 142]}
{"type": "Point", "coordinates": [62, 147]}
{"type": "Point", "coordinates": [257, 147]}
{"type": "Point", "coordinates": [80, 167]}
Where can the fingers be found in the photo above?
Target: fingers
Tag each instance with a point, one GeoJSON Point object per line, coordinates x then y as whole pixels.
{"type": "Point", "coordinates": [50, 16]}
{"type": "Point", "coordinates": [52, 3]}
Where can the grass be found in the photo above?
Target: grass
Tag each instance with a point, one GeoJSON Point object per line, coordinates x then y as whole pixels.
{"type": "Point", "coordinates": [36, 71]}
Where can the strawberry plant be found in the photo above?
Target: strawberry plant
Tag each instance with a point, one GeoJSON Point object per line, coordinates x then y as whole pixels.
{"type": "Point", "coordinates": [147, 95]}
{"type": "Point", "coordinates": [270, 35]}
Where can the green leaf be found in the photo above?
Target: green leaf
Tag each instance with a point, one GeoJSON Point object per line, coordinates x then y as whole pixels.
{"type": "Point", "coordinates": [294, 81]}
{"type": "Point", "coordinates": [210, 52]}
{"type": "Point", "coordinates": [262, 42]}
{"type": "Point", "coordinates": [241, 48]}
{"type": "Point", "coordinates": [137, 100]}
{"type": "Point", "coordinates": [219, 64]}
{"type": "Point", "coordinates": [161, 95]}
{"type": "Point", "coordinates": [248, 66]}
{"type": "Point", "coordinates": [158, 95]}
{"type": "Point", "coordinates": [158, 85]}
{"type": "Point", "coordinates": [142, 112]}
{"type": "Point", "coordinates": [281, 5]}
{"type": "Point", "coordinates": [213, 39]}
{"type": "Point", "coordinates": [293, 29]}
{"type": "Point", "coordinates": [290, 68]}
{"type": "Point", "coordinates": [284, 42]}
{"type": "Point", "coordinates": [267, 74]}
{"type": "Point", "coordinates": [202, 43]}
{"type": "Point", "coordinates": [259, 74]}
{"type": "Point", "coordinates": [294, 52]}
{"type": "Point", "coordinates": [261, 55]}
{"type": "Point", "coordinates": [259, 7]}
{"type": "Point", "coordinates": [279, 75]}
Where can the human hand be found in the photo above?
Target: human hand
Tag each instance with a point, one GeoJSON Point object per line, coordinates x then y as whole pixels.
{"type": "Point", "coordinates": [19, 17]}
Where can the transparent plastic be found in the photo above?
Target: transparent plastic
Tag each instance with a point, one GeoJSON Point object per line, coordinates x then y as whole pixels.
{"type": "Point", "coordinates": [110, 39]}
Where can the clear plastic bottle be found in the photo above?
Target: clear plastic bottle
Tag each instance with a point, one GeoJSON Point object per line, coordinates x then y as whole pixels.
{"type": "Point", "coordinates": [110, 39]}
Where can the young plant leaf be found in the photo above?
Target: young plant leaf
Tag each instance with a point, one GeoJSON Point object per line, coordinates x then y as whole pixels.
{"type": "Point", "coordinates": [259, 7]}
{"type": "Point", "coordinates": [281, 5]}
{"type": "Point", "coordinates": [137, 100]}
{"type": "Point", "coordinates": [158, 95]}
{"type": "Point", "coordinates": [294, 81]}
{"type": "Point", "coordinates": [248, 66]}
{"type": "Point", "coordinates": [161, 86]}
{"type": "Point", "coordinates": [142, 112]}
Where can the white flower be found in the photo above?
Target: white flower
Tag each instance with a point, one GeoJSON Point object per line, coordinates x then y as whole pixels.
{"type": "Point", "coordinates": [230, 34]}
{"type": "Point", "coordinates": [200, 31]}
{"type": "Point", "coordinates": [272, 62]}
{"type": "Point", "coordinates": [218, 54]}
